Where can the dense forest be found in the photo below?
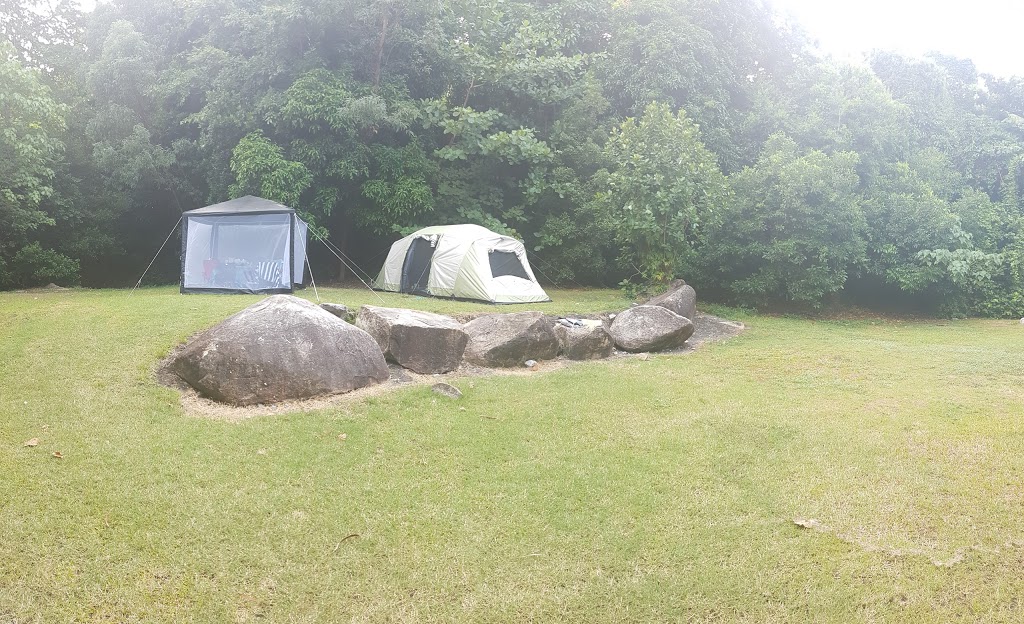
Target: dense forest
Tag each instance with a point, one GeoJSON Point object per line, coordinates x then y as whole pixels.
{"type": "Point", "coordinates": [626, 142]}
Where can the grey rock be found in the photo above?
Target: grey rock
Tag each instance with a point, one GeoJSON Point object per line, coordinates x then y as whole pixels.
{"type": "Point", "coordinates": [279, 349]}
{"type": "Point", "coordinates": [420, 341]}
{"type": "Point", "coordinates": [506, 340]}
{"type": "Point", "coordinates": [339, 310]}
{"type": "Point", "coordinates": [650, 328]}
{"type": "Point", "coordinates": [681, 300]}
{"type": "Point", "coordinates": [399, 375]}
{"type": "Point", "coordinates": [447, 390]}
{"type": "Point", "coordinates": [589, 341]}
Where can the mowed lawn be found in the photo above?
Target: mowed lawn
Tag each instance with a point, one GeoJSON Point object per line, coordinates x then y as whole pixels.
{"type": "Point", "coordinates": [626, 490]}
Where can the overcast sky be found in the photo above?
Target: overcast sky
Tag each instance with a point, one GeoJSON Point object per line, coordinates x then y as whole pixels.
{"type": "Point", "coordinates": [989, 32]}
{"type": "Point", "coordinates": [985, 31]}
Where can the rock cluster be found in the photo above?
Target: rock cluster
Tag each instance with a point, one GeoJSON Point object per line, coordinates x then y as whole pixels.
{"type": "Point", "coordinates": [286, 348]}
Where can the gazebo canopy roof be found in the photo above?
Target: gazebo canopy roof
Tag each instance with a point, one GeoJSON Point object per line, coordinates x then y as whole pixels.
{"type": "Point", "coordinates": [243, 205]}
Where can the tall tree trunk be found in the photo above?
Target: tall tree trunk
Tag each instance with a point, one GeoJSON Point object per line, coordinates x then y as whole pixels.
{"type": "Point", "coordinates": [343, 241]}
{"type": "Point", "coordinates": [378, 60]}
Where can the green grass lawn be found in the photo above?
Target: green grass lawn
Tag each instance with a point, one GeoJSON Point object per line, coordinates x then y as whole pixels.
{"type": "Point", "coordinates": [627, 490]}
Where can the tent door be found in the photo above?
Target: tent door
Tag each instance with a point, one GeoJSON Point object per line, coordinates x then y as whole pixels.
{"type": "Point", "coordinates": [416, 270]}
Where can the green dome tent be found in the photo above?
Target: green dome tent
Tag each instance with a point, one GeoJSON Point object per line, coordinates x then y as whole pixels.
{"type": "Point", "coordinates": [463, 262]}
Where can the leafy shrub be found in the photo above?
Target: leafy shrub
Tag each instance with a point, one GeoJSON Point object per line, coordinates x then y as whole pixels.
{"type": "Point", "coordinates": [33, 265]}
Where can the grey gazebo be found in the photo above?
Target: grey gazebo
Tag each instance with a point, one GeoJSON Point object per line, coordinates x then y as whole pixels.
{"type": "Point", "coordinates": [245, 245]}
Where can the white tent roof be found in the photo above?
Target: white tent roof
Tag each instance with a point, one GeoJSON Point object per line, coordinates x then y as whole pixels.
{"type": "Point", "coordinates": [462, 264]}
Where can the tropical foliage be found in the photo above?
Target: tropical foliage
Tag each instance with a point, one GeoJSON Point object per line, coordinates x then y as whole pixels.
{"type": "Point", "coordinates": [622, 141]}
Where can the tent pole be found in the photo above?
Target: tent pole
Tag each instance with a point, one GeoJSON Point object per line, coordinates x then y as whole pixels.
{"type": "Point", "coordinates": [305, 258]}
{"type": "Point", "coordinates": [320, 238]}
{"type": "Point", "coordinates": [291, 255]}
{"type": "Point", "coordinates": [337, 250]}
{"type": "Point", "coordinates": [214, 235]}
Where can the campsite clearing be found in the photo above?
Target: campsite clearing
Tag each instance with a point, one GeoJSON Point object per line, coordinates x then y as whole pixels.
{"type": "Point", "coordinates": [839, 471]}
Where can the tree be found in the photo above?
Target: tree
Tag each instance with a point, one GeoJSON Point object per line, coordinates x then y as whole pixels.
{"type": "Point", "coordinates": [374, 117]}
{"type": "Point", "coordinates": [707, 57]}
{"type": "Point", "coordinates": [43, 34]}
{"type": "Point", "coordinates": [793, 229]}
{"type": "Point", "coordinates": [906, 216]}
{"type": "Point", "coordinates": [663, 189]}
{"type": "Point", "coordinates": [832, 108]}
{"type": "Point", "coordinates": [367, 168]}
{"type": "Point", "coordinates": [29, 119]}
{"type": "Point", "coordinates": [575, 239]}
{"type": "Point", "coordinates": [261, 169]}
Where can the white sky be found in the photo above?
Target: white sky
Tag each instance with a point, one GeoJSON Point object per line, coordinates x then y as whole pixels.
{"type": "Point", "coordinates": [989, 32]}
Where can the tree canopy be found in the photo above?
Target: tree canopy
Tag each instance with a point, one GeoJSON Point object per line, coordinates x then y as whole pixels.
{"type": "Point", "coordinates": [624, 142]}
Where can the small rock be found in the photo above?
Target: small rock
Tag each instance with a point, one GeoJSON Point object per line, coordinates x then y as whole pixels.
{"type": "Point", "coordinates": [447, 390]}
{"type": "Point", "coordinates": [339, 310]}
{"type": "Point", "coordinates": [805, 523]}
{"type": "Point", "coordinates": [530, 363]}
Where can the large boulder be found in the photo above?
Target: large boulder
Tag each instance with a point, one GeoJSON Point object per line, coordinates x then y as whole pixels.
{"type": "Point", "coordinates": [420, 341]}
{"type": "Point", "coordinates": [588, 341]}
{"type": "Point", "coordinates": [650, 328]}
{"type": "Point", "coordinates": [506, 340]}
{"type": "Point", "coordinates": [279, 349]}
{"type": "Point", "coordinates": [679, 298]}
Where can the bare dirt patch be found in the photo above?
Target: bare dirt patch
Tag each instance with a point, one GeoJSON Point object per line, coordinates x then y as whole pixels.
{"type": "Point", "coordinates": [707, 329]}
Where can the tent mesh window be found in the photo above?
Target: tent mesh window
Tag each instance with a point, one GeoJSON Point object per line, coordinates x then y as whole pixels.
{"type": "Point", "coordinates": [248, 253]}
{"type": "Point", "coordinates": [507, 263]}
